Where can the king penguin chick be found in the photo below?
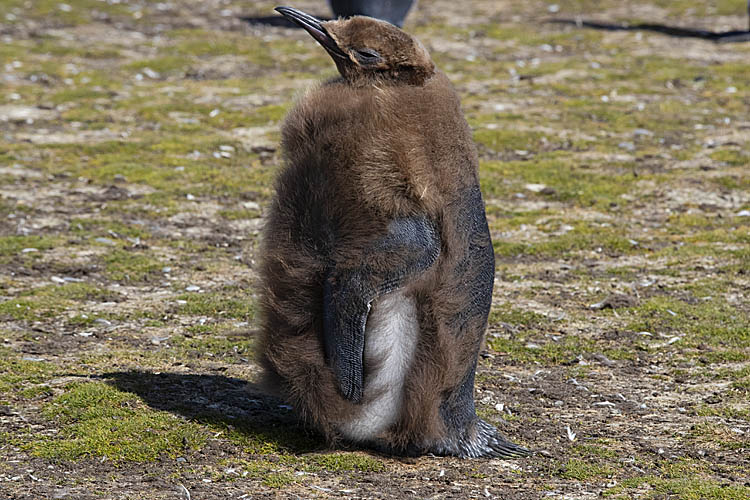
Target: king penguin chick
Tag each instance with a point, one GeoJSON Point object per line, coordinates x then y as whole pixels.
{"type": "Point", "coordinates": [377, 265]}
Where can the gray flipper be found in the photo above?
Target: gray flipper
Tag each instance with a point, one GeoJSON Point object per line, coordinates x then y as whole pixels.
{"type": "Point", "coordinates": [468, 435]}
{"type": "Point", "coordinates": [410, 247]}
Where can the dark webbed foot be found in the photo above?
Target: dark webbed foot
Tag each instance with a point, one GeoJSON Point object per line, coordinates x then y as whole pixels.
{"type": "Point", "coordinates": [488, 442]}
{"type": "Point", "coordinates": [481, 440]}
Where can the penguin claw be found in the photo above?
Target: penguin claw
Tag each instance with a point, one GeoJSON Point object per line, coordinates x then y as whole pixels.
{"type": "Point", "coordinates": [494, 445]}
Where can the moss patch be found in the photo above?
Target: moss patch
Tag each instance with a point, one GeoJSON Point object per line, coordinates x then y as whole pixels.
{"type": "Point", "coordinates": [99, 421]}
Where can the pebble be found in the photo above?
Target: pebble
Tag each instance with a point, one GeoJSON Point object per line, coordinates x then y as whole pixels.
{"type": "Point", "coordinates": [151, 73]}
{"type": "Point", "coordinates": [535, 188]}
{"type": "Point", "coordinates": [192, 288]}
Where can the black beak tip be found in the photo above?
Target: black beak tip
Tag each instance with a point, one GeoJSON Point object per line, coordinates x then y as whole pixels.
{"type": "Point", "coordinates": [314, 27]}
{"type": "Point", "coordinates": [293, 14]}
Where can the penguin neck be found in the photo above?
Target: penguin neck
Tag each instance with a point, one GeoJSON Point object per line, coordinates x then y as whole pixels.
{"type": "Point", "coordinates": [412, 77]}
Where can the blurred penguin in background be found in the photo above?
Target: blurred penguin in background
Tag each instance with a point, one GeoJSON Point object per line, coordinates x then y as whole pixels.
{"type": "Point", "coordinates": [393, 11]}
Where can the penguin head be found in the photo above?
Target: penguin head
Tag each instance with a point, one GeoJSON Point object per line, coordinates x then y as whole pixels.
{"type": "Point", "coordinates": [368, 50]}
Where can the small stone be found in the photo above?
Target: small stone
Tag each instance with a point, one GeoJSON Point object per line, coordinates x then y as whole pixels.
{"type": "Point", "coordinates": [151, 73]}
{"type": "Point", "coordinates": [743, 213]}
{"type": "Point", "coordinates": [604, 359]}
{"type": "Point", "coordinates": [615, 301]}
{"type": "Point", "coordinates": [105, 241]}
{"type": "Point", "coordinates": [192, 288]}
{"type": "Point", "coordinates": [627, 145]}
{"type": "Point", "coordinates": [535, 188]}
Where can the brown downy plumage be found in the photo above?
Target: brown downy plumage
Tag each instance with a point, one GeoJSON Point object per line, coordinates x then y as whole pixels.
{"type": "Point", "coordinates": [377, 264]}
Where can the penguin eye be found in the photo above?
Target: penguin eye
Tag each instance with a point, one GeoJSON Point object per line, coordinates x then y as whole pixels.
{"type": "Point", "coordinates": [367, 56]}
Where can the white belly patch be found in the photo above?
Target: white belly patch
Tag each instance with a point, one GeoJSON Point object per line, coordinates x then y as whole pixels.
{"type": "Point", "coordinates": [391, 338]}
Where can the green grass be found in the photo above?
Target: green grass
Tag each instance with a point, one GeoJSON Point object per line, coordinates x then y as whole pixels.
{"type": "Point", "coordinates": [581, 470]}
{"type": "Point", "coordinates": [683, 488]}
{"type": "Point", "coordinates": [231, 303]}
{"type": "Point", "coordinates": [96, 420]}
{"type": "Point", "coordinates": [51, 300]}
{"type": "Point", "coordinates": [343, 462]}
{"type": "Point", "coordinates": [19, 374]}
{"type": "Point", "coordinates": [714, 321]}
{"type": "Point", "coordinates": [131, 266]}
{"type": "Point", "coordinates": [571, 183]}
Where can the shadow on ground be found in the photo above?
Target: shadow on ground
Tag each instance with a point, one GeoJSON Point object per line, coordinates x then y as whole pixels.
{"type": "Point", "coordinates": [675, 31]}
{"type": "Point", "coordinates": [223, 402]}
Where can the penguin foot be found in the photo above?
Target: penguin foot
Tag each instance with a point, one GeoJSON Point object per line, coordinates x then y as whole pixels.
{"type": "Point", "coordinates": [483, 441]}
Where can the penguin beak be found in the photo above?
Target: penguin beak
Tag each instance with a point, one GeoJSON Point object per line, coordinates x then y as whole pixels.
{"type": "Point", "coordinates": [315, 28]}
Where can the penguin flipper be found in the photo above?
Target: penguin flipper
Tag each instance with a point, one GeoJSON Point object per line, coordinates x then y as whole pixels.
{"type": "Point", "coordinates": [410, 246]}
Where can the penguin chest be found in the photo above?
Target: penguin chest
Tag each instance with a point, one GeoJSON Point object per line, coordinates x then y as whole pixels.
{"type": "Point", "coordinates": [391, 337]}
